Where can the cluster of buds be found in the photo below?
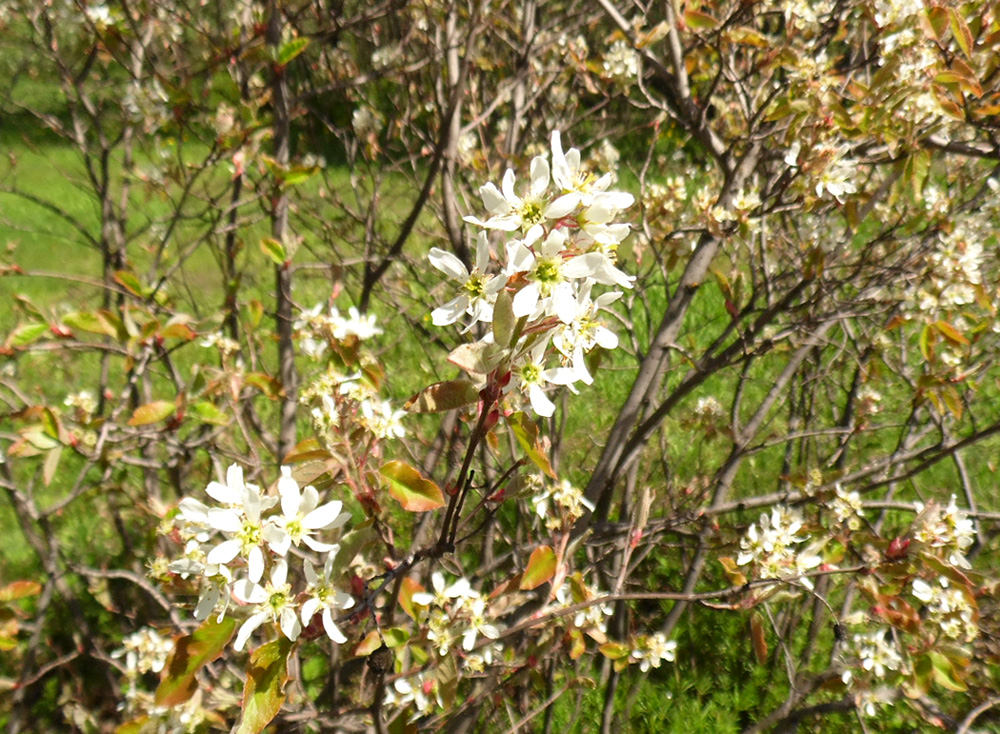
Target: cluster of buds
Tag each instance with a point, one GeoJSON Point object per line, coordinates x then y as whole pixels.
{"type": "Point", "coordinates": [561, 241]}
{"type": "Point", "coordinates": [230, 549]}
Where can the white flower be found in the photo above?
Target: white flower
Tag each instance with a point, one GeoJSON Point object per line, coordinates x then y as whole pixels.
{"type": "Point", "coordinates": [273, 602]}
{"type": "Point", "coordinates": [478, 288]}
{"type": "Point", "coordinates": [241, 521]}
{"type": "Point", "coordinates": [323, 596]}
{"type": "Point", "coordinates": [653, 650]}
{"type": "Point", "coordinates": [301, 515]}
{"type": "Point", "coordinates": [459, 591]}
{"type": "Point", "coordinates": [478, 625]}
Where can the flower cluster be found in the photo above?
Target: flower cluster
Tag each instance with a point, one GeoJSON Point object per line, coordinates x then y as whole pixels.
{"type": "Point", "coordinates": [650, 651]}
{"type": "Point", "coordinates": [238, 537]}
{"type": "Point", "coordinates": [771, 550]}
{"type": "Point", "coordinates": [847, 508]}
{"type": "Point", "coordinates": [560, 505]}
{"type": "Point", "coordinates": [949, 608]}
{"type": "Point", "coordinates": [144, 651]}
{"type": "Point", "coordinates": [316, 326]}
{"type": "Point", "coordinates": [342, 403]}
{"type": "Point", "coordinates": [561, 240]}
{"type": "Point", "coordinates": [455, 612]}
{"type": "Point", "coordinates": [948, 529]}
{"type": "Point", "coordinates": [878, 652]}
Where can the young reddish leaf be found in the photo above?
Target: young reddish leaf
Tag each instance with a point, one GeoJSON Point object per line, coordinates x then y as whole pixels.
{"type": "Point", "coordinates": [526, 433]}
{"type": "Point", "coordinates": [177, 330]}
{"type": "Point", "coordinates": [758, 637]}
{"type": "Point", "coordinates": [264, 691]}
{"type": "Point", "coordinates": [407, 589]}
{"type": "Point", "coordinates": [443, 396]}
{"type": "Point", "coordinates": [950, 333]}
{"type": "Point", "coordinates": [191, 653]}
{"type": "Point", "coordinates": [368, 645]}
{"type": "Point", "coordinates": [51, 465]}
{"type": "Point", "coordinates": [413, 491]}
{"type": "Point", "coordinates": [19, 590]}
{"type": "Point", "coordinates": [135, 726]}
{"type": "Point", "coordinates": [541, 568]}
{"type": "Point", "coordinates": [938, 19]}
{"type": "Point", "coordinates": [152, 412]}
{"type": "Point", "coordinates": [733, 573]}
{"type": "Point", "coordinates": [963, 36]}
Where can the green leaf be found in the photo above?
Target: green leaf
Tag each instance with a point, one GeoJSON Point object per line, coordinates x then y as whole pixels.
{"type": "Point", "coordinates": [129, 282]}
{"type": "Point", "coordinates": [442, 396]}
{"type": "Point", "coordinates": [699, 21]}
{"type": "Point", "coordinates": [90, 322]}
{"type": "Point", "coordinates": [477, 358]}
{"type": "Point", "coordinates": [939, 20]}
{"type": "Point", "coordinates": [291, 49]}
{"type": "Point", "coordinates": [526, 433]}
{"type": "Point", "coordinates": [191, 653]}
{"type": "Point", "coordinates": [26, 334]}
{"type": "Point", "coordinates": [351, 544]}
{"type": "Point", "coordinates": [274, 250]}
{"type": "Point", "coordinates": [541, 568]}
{"type": "Point", "coordinates": [152, 413]}
{"type": "Point", "coordinates": [206, 412]}
{"type": "Point", "coordinates": [413, 491]}
{"type": "Point", "coordinates": [504, 321]}
{"type": "Point", "coordinates": [298, 174]}
{"type": "Point", "coordinates": [264, 691]}
{"type": "Point", "coordinates": [614, 650]}
{"type": "Point", "coordinates": [945, 674]}
{"type": "Point", "coordinates": [267, 385]}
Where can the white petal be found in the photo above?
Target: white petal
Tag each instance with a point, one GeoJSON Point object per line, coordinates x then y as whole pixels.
{"type": "Point", "coordinates": [290, 623]}
{"type": "Point", "coordinates": [507, 187]}
{"type": "Point", "coordinates": [310, 498]}
{"type": "Point", "coordinates": [482, 252]}
{"type": "Point", "coordinates": [193, 511]}
{"type": "Point", "coordinates": [291, 498]}
{"type": "Point", "coordinates": [226, 520]}
{"type": "Point", "coordinates": [279, 573]}
{"type": "Point", "coordinates": [247, 629]}
{"type": "Point", "coordinates": [525, 301]}
{"type": "Point", "coordinates": [206, 602]}
{"type": "Point", "coordinates": [493, 200]}
{"type": "Point", "coordinates": [331, 628]}
{"type": "Point", "coordinates": [310, 572]}
{"type": "Point", "coordinates": [606, 338]}
{"type": "Point", "coordinates": [323, 517]}
{"type": "Point", "coordinates": [309, 607]}
{"type": "Point", "coordinates": [222, 493]}
{"type": "Point", "coordinates": [255, 564]}
{"type": "Point", "coordinates": [539, 175]}
{"type": "Point", "coordinates": [450, 312]}
{"type": "Point", "coordinates": [562, 206]}
{"type": "Point", "coordinates": [540, 402]}
{"type": "Point", "coordinates": [247, 591]}
{"type": "Point", "coordinates": [447, 263]}
{"type": "Point", "coordinates": [224, 552]}
{"type": "Point", "coordinates": [317, 545]}
{"type": "Point", "coordinates": [277, 539]}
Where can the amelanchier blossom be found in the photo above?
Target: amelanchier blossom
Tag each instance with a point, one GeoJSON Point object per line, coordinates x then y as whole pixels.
{"type": "Point", "coordinates": [253, 563]}
{"type": "Point", "coordinates": [556, 239]}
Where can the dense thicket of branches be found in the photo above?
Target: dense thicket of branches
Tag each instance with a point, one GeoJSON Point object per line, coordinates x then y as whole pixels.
{"type": "Point", "coordinates": [794, 435]}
